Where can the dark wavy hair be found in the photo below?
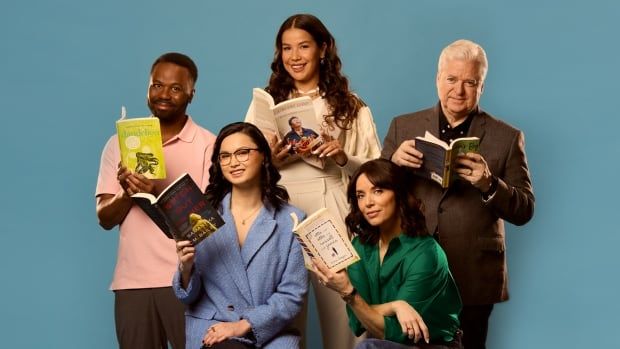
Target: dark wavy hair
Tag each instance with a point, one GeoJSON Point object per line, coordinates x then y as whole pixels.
{"type": "Point", "coordinates": [218, 187]}
{"type": "Point", "coordinates": [334, 86]}
{"type": "Point", "coordinates": [386, 175]}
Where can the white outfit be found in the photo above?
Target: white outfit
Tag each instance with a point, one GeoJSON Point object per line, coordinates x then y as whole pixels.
{"type": "Point", "coordinates": [311, 188]}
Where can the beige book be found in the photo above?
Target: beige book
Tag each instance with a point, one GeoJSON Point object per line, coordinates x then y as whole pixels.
{"type": "Point", "coordinates": [322, 236]}
{"type": "Point", "coordinates": [293, 122]}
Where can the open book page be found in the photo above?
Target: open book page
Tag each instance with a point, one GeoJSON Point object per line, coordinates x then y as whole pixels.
{"type": "Point", "coordinates": [322, 236]}
{"type": "Point", "coordinates": [264, 118]}
{"type": "Point", "coordinates": [461, 146]}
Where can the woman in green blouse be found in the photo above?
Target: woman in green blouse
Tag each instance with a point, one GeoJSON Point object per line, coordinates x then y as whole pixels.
{"type": "Point", "coordinates": [401, 292]}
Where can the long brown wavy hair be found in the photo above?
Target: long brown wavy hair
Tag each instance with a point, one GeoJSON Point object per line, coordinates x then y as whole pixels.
{"type": "Point", "coordinates": [334, 86]}
{"type": "Point", "coordinates": [385, 174]}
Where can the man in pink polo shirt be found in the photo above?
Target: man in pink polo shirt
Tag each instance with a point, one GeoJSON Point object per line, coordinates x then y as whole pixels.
{"type": "Point", "coordinates": [147, 314]}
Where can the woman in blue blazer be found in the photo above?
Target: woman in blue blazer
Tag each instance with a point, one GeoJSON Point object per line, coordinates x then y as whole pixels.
{"type": "Point", "coordinates": [245, 283]}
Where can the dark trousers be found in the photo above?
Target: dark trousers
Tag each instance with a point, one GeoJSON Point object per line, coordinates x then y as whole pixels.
{"type": "Point", "coordinates": [149, 318]}
{"type": "Point", "coordinates": [475, 323]}
{"type": "Point", "coordinates": [229, 344]}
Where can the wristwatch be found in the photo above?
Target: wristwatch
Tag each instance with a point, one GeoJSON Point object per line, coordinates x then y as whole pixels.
{"type": "Point", "coordinates": [348, 297]}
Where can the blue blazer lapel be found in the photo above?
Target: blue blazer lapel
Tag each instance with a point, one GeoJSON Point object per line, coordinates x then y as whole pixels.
{"type": "Point", "coordinates": [260, 231]}
{"type": "Point", "coordinates": [227, 245]}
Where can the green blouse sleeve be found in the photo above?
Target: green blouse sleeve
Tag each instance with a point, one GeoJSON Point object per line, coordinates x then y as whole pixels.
{"type": "Point", "coordinates": [423, 283]}
{"type": "Point", "coordinates": [424, 280]}
{"type": "Point", "coordinates": [393, 331]}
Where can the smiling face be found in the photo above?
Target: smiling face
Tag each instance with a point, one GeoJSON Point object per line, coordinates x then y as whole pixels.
{"type": "Point", "coordinates": [241, 173]}
{"type": "Point", "coordinates": [301, 56]}
{"type": "Point", "coordinates": [295, 123]}
{"type": "Point", "coordinates": [171, 89]}
{"type": "Point", "coordinates": [378, 205]}
{"type": "Point", "coordinates": [459, 86]}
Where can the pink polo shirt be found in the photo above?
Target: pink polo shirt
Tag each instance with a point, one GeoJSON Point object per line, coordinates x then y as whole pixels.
{"type": "Point", "coordinates": [146, 257]}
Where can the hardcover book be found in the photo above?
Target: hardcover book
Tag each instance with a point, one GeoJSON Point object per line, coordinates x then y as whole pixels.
{"type": "Point", "coordinates": [181, 211]}
{"type": "Point", "coordinates": [140, 145]}
{"type": "Point", "coordinates": [292, 121]}
{"type": "Point", "coordinates": [322, 236]}
{"type": "Point", "coordinates": [439, 157]}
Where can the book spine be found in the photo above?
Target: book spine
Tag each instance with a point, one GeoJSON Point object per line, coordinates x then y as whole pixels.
{"type": "Point", "coordinates": [304, 246]}
{"type": "Point", "coordinates": [447, 169]}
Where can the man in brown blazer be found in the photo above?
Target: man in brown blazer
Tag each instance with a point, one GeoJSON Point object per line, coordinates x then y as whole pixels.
{"type": "Point", "coordinates": [468, 217]}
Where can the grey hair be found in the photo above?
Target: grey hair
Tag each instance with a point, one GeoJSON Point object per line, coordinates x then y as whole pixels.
{"type": "Point", "coordinates": [465, 50]}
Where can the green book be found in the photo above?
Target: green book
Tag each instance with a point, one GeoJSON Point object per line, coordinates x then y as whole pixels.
{"type": "Point", "coordinates": [439, 159]}
{"type": "Point", "coordinates": [141, 147]}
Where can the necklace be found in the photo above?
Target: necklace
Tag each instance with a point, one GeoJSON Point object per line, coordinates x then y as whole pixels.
{"type": "Point", "coordinates": [251, 214]}
{"type": "Point", "coordinates": [313, 93]}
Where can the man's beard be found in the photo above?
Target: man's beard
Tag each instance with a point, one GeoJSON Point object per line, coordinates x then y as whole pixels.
{"type": "Point", "coordinates": [174, 111]}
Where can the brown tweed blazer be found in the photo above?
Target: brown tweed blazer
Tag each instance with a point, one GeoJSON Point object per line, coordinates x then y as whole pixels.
{"type": "Point", "coordinates": [470, 230]}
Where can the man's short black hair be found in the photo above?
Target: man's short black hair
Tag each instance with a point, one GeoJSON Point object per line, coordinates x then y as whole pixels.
{"type": "Point", "coordinates": [180, 60]}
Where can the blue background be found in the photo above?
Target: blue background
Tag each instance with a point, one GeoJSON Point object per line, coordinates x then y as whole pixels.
{"type": "Point", "coordinates": [66, 67]}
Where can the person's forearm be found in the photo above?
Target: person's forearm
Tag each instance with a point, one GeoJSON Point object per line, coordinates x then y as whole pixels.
{"type": "Point", "coordinates": [371, 319]}
{"type": "Point", "coordinates": [186, 274]}
{"type": "Point", "coordinates": [112, 209]}
{"type": "Point", "coordinates": [385, 309]}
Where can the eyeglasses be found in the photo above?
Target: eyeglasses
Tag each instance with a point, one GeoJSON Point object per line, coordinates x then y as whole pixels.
{"type": "Point", "coordinates": [451, 80]}
{"type": "Point", "coordinates": [242, 155]}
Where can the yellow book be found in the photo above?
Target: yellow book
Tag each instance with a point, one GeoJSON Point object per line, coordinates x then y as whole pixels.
{"type": "Point", "coordinates": [141, 147]}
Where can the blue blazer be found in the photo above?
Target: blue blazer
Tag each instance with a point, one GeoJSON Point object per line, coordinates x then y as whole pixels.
{"type": "Point", "coordinates": [263, 282]}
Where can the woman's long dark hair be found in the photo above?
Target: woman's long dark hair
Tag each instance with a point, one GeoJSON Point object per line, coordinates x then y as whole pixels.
{"type": "Point", "coordinates": [385, 174]}
{"type": "Point", "coordinates": [218, 187]}
{"type": "Point", "coordinates": [334, 86]}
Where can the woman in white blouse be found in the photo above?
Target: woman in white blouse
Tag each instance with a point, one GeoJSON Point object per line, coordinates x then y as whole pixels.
{"type": "Point", "coordinates": [306, 62]}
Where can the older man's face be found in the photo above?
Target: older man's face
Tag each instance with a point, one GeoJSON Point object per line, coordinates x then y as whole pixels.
{"type": "Point", "coordinates": [459, 86]}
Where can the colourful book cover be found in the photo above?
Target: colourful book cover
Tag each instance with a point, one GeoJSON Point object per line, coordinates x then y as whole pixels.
{"type": "Point", "coordinates": [181, 211]}
{"type": "Point", "coordinates": [141, 146]}
{"type": "Point", "coordinates": [439, 162]}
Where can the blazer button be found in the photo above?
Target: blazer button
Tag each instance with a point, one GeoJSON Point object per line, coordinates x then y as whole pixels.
{"type": "Point", "coordinates": [230, 308]}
